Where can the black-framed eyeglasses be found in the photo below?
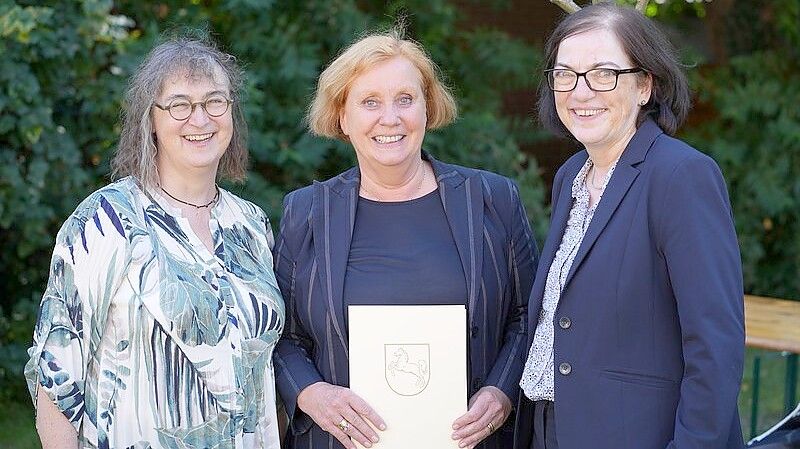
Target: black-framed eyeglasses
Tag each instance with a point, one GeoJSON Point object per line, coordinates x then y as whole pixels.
{"type": "Point", "coordinates": [215, 106]}
{"type": "Point", "coordinates": [598, 80]}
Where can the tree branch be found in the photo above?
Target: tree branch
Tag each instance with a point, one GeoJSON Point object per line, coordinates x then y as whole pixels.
{"type": "Point", "coordinates": [567, 5]}
{"type": "Point", "coordinates": [641, 6]}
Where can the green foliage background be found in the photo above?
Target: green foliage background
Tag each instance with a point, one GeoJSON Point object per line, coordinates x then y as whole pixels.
{"type": "Point", "coordinates": [64, 65]}
{"type": "Point", "coordinates": [754, 134]}
{"type": "Point", "coordinates": [63, 70]}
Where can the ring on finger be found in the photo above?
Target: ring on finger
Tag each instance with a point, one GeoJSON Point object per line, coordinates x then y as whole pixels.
{"type": "Point", "coordinates": [344, 425]}
{"type": "Point", "coordinates": [490, 426]}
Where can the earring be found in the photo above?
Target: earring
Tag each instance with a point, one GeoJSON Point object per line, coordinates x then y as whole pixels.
{"type": "Point", "coordinates": [643, 102]}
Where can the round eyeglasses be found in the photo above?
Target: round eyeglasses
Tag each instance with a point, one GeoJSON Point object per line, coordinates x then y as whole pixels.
{"type": "Point", "coordinates": [598, 80]}
{"type": "Point", "coordinates": [215, 106]}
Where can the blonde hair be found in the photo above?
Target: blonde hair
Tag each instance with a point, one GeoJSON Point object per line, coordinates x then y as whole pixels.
{"type": "Point", "coordinates": [335, 81]}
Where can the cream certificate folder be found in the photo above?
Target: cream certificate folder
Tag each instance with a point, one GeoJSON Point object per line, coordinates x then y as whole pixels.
{"type": "Point", "coordinates": [410, 364]}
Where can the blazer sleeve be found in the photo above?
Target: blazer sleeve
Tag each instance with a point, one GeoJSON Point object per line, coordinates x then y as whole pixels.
{"type": "Point", "coordinates": [294, 369]}
{"type": "Point", "coordinates": [523, 256]}
{"type": "Point", "coordinates": [698, 242]}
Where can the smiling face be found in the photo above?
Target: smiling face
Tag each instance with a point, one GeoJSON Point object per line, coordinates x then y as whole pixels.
{"type": "Point", "coordinates": [602, 121]}
{"type": "Point", "coordinates": [384, 115]}
{"type": "Point", "coordinates": [194, 145]}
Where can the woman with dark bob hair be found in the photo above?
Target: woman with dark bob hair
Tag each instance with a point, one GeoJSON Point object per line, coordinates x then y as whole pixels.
{"type": "Point", "coordinates": [161, 313]}
{"type": "Point", "coordinates": [636, 317]}
{"type": "Point", "coordinates": [400, 228]}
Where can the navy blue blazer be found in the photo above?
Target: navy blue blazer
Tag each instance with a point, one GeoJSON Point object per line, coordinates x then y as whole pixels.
{"type": "Point", "coordinates": [649, 330]}
{"type": "Point", "coordinates": [498, 255]}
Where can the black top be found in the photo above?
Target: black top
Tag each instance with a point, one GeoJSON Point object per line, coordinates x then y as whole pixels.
{"type": "Point", "coordinates": [403, 253]}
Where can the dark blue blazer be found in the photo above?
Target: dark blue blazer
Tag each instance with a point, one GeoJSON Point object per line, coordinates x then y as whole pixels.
{"type": "Point", "coordinates": [498, 255]}
{"type": "Point", "coordinates": [649, 330]}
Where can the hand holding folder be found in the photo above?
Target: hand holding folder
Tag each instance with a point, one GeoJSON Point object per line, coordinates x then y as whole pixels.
{"type": "Point", "coordinates": [410, 364]}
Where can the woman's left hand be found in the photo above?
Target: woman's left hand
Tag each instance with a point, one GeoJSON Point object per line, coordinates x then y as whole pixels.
{"type": "Point", "coordinates": [488, 410]}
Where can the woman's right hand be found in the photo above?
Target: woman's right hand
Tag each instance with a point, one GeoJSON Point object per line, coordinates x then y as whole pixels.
{"type": "Point", "coordinates": [342, 413]}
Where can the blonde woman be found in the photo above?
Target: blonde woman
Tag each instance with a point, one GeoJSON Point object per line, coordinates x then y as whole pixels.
{"type": "Point", "coordinates": [400, 228]}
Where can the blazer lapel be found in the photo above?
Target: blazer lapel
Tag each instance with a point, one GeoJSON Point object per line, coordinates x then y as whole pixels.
{"type": "Point", "coordinates": [333, 215]}
{"type": "Point", "coordinates": [558, 223]}
{"type": "Point", "coordinates": [617, 187]}
{"type": "Point", "coordinates": [619, 184]}
{"type": "Point", "coordinates": [462, 198]}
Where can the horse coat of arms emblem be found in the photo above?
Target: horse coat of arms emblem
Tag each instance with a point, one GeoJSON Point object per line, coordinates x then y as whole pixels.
{"type": "Point", "coordinates": [407, 368]}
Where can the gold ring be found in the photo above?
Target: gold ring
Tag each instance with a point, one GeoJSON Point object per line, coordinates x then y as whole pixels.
{"type": "Point", "coordinates": [344, 425]}
{"type": "Point", "coordinates": [490, 426]}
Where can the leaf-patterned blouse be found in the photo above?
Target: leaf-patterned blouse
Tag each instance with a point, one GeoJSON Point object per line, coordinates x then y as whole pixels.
{"type": "Point", "coordinates": [145, 339]}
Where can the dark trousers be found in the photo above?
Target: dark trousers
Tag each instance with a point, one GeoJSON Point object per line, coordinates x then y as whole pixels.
{"type": "Point", "coordinates": [544, 425]}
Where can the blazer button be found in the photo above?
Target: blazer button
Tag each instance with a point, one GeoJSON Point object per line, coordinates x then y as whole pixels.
{"type": "Point", "coordinates": [476, 383]}
{"type": "Point", "coordinates": [565, 368]}
{"type": "Point", "coordinates": [474, 331]}
{"type": "Point", "coordinates": [564, 322]}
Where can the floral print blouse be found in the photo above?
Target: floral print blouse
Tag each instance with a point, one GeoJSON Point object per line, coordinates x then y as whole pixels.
{"type": "Point", "coordinates": [145, 339]}
{"type": "Point", "coordinates": [538, 381]}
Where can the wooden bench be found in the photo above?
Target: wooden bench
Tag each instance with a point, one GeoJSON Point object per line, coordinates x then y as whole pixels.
{"type": "Point", "coordinates": [772, 323]}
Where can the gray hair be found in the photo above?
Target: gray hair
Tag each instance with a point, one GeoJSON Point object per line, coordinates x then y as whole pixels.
{"type": "Point", "coordinates": [197, 58]}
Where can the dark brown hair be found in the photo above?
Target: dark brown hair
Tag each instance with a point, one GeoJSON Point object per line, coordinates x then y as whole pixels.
{"type": "Point", "coordinates": [645, 45]}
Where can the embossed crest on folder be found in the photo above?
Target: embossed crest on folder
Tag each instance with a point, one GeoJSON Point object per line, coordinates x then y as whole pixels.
{"type": "Point", "coordinates": [407, 368]}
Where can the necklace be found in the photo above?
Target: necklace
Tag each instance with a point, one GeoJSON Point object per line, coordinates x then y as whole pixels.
{"type": "Point", "coordinates": [592, 181]}
{"type": "Point", "coordinates": [196, 206]}
{"type": "Point", "coordinates": [419, 186]}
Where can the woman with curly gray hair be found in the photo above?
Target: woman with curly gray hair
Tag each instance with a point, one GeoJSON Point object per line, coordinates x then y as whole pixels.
{"type": "Point", "coordinates": [161, 301]}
